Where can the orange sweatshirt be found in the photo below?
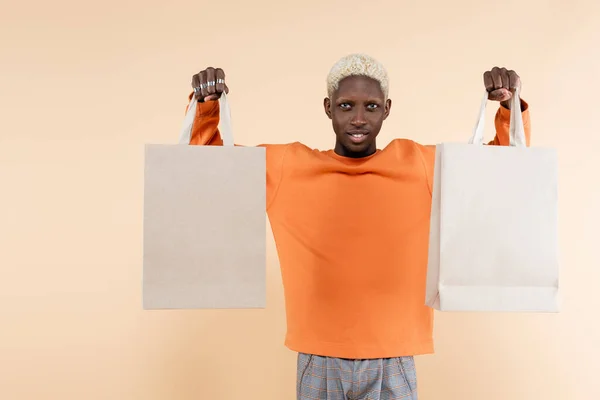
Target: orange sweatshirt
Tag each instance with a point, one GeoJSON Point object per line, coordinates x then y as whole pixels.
{"type": "Point", "coordinates": [352, 239]}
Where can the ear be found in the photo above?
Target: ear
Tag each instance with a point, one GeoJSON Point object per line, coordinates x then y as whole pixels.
{"type": "Point", "coordinates": [387, 108]}
{"type": "Point", "coordinates": [327, 106]}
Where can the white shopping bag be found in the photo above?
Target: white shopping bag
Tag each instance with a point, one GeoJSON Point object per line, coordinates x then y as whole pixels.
{"type": "Point", "coordinates": [494, 231]}
{"type": "Point", "coordinates": [204, 222]}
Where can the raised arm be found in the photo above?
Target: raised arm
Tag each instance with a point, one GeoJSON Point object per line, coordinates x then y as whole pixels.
{"type": "Point", "coordinates": [205, 129]}
{"type": "Point", "coordinates": [502, 125]}
{"type": "Point", "coordinates": [500, 84]}
{"type": "Point", "coordinates": [208, 86]}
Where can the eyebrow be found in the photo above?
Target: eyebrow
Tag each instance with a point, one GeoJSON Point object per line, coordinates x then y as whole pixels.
{"type": "Point", "coordinates": [369, 100]}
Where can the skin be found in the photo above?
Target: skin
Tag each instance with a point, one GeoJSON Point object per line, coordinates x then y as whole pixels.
{"type": "Point", "coordinates": [212, 92]}
{"type": "Point", "coordinates": [501, 84]}
{"type": "Point", "coordinates": [359, 105]}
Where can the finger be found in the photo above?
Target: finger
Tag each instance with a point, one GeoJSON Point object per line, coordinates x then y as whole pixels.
{"type": "Point", "coordinates": [220, 79]}
{"type": "Point", "coordinates": [500, 95]}
{"type": "Point", "coordinates": [496, 78]}
{"type": "Point", "coordinates": [203, 84]}
{"type": "Point", "coordinates": [195, 85]}
{"type": "Point", "coordinates": [216, 96]}
{"type": "Point", "coordinates": [210, 80]}
{"type": "Point", "coordinates": [504, 77]}
{"type": "Point", "coordinates": [488, 81]}
{"type": "Point", "coordinates": [515, 80]}
{"type": "Point", "coordinates": [196, 81]}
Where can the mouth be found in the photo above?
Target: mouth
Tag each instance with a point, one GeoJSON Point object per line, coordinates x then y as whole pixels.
{"type": "Point", "coordinates": [358, 136]}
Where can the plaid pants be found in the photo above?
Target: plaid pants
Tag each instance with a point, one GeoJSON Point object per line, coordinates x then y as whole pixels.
{"type": "Point", "coordinates": [328, 378]}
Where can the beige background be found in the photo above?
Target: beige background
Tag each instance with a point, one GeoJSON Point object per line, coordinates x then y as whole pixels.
{"type": "Point", "coordinates": [85, 84]}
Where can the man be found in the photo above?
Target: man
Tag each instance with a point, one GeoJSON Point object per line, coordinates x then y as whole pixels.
{"type": "Point", "coordinates": [352, 227]}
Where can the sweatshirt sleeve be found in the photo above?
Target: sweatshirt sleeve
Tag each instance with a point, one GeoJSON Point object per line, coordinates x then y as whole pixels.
{"type": "Point", "coordinates": [502, 138]}
{"type": "Point", "coordinates": [205, 132]}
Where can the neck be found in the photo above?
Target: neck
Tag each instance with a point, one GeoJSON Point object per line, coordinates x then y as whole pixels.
{"type": "Point", "coordinates": [345, 152]}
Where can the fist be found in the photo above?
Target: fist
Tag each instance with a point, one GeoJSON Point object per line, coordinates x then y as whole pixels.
{"type": "Point", "coordinates": [209, 84]}
{"type": "Point", "coordinates": [500, 84]}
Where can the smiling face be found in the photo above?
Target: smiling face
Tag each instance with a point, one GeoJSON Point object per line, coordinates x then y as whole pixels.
{"type": "Point", "coordinates": [357, 110]}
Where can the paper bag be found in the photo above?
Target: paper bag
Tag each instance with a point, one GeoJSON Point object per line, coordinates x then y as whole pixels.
{"type": "Point", "coordinates": [204, 222]}
{"type": "Point", "coordinates": [494, 232]}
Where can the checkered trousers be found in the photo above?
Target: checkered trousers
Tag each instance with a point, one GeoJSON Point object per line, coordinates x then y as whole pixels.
{"type": "Point", "coordinates": [328, 378]}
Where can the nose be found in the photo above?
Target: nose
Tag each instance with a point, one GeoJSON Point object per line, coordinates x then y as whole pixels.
{"type": "Point", "coordinates": [358, 119]}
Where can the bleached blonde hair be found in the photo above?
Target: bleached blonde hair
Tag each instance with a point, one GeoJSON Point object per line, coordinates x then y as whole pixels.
{"type": "Point", "coordinates": [357, 65]}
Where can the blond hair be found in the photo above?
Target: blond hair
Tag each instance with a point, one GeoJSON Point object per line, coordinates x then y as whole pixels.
{"type": "Point", "coordinates": [357, 65]}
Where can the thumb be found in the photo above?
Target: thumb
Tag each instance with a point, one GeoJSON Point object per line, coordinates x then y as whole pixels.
{"type": "Point", "coordinates": [500, 95]}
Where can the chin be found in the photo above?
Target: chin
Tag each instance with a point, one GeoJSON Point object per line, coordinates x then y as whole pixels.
{"type": "Point", "coordinates": [358, 148]}
{"type": "Point", "coordinates": [364, 145]}
{"type": "Point", "coordinates": [354, 148]}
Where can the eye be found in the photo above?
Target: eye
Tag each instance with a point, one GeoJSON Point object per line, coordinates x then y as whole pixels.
{"type": "Point", "coordinates": [345, 106]}
{"type": "Point", "coordinates": [372, 107]}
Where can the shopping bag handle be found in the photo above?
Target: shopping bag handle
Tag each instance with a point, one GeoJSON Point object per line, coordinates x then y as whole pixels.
{"type": "Point", "coordinates": [224, 121]}
{"type": "Point", "coordinates": [516, 130]}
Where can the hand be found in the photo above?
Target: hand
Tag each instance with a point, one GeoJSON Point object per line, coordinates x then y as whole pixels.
{"type": "Point", "coordinates": [209, 84]}
{"type": "Point", "coordinates": [500, 84]}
